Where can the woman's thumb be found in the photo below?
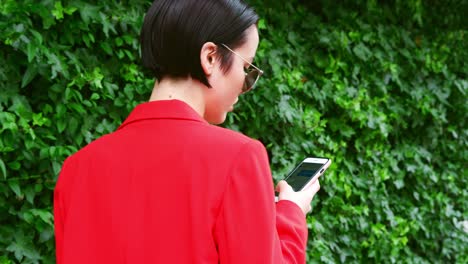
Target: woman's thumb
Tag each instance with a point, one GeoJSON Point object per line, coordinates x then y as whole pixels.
{"type": "Point", "coordinates": [282, 185]}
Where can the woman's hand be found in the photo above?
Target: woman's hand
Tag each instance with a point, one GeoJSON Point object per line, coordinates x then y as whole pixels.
{"type": "Point", "coordinates": [301, 198]}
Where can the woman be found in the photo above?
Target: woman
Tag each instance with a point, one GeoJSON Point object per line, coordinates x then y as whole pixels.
{"type": "Point", "coordinates": [168, 186]}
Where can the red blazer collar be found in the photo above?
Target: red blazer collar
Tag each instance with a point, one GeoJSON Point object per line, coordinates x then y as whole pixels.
{"type": "Point", "coordinates": [166, 109]}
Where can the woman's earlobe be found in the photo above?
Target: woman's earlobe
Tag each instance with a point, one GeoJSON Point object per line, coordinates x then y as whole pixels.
{"type": "Point", "coordinates": [207, 65]}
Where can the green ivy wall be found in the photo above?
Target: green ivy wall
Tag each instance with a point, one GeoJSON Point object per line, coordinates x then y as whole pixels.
{"type": "Point", "coordinates": [378, 86]}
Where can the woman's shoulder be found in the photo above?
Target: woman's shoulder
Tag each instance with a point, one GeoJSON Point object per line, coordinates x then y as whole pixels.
{"type": "Point", "coordinates": [223, 141]}
{"type": "Point", "coordinates": [227, 135]}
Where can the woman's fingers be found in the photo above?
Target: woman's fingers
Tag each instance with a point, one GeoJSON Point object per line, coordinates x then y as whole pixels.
{"type": "Point", "coordinates": [315, 186]}
{"type": "Point", "coordinates": [302, 198]}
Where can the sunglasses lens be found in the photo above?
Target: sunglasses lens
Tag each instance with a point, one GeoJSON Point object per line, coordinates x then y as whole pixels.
{"type": "Point", "coordinates": [250, 80]}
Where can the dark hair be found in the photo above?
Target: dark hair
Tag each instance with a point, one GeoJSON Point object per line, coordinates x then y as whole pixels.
{"type": "Point", "coordinates": [174, 32]}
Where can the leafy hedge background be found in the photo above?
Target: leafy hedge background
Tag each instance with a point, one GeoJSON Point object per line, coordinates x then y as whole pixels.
{"type": "Point", "coordinates": [378, 86]}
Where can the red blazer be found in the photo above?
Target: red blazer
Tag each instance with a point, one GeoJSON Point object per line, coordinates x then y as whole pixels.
{"type": "Point", "coordinates": [167, 187]}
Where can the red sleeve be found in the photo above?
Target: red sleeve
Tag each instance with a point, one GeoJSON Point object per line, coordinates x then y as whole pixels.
{"type": "Point", "coordinates": [250, 227]}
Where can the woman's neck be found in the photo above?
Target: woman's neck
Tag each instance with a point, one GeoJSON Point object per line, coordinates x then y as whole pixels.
{"type": "Point", "coordinates": [187, 90]}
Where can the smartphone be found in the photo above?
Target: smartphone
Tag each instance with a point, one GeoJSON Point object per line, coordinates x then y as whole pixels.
{"type": "Point", "coordinates": [307, 172]}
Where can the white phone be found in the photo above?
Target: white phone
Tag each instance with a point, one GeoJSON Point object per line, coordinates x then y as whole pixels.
{"type": "Point", "coordinates": [307, 172]}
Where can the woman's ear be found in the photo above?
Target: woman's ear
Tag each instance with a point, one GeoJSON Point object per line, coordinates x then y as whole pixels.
{"type": "Point", "coordinates": [208, 57]}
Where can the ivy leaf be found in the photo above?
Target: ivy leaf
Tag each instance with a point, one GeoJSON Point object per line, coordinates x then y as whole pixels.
{"type": "Point", "coordinates": [45, 215]}
{"type": "Point", "coordinates": [14, 186]}
{"type": "Point", "coordinates": [106, 47]}
{"type": "Point", "coordinates": [261, 24]}
{"type": "Point", "coordinates": [70, 10]}
{"type": "Point", "coordinates": [29, 75]}
{"type": "Point", "coordinates": [22, 247]}
{"type": "Point", "coordinates": [58, 11]}
{"type": "Point", "coordinates": [3, 169]}
{"type": "Point", "coordinates": [31, 52]}
{"type": "Point", "coordinates": [61, 124]}
{"type": "Point", "coordinates": [362, 52]}
{"type": "Point", "coordinates": [88, 12]}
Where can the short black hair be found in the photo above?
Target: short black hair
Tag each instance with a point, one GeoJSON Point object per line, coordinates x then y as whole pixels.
{"type": "Point", "coordinates": [174, 32]}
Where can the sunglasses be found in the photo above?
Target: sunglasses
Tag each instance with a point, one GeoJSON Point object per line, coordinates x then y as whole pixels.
{"type": "Point", "coordinates": [251, 76]}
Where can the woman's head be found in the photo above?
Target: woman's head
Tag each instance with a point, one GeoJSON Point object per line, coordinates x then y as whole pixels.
{"type": "Point", "coordinates": [174, 32]}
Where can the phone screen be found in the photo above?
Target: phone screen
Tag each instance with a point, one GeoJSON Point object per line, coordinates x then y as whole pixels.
{"type": "Point", "coordinates": [302, 174]}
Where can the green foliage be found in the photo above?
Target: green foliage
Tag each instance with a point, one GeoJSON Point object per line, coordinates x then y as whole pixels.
{"type": "Point", "coordinates": [378, 87]}
{"type": "Point", "coordinates": [69, 75]}
{"type": "Point", "coordinates": [384, 95]}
